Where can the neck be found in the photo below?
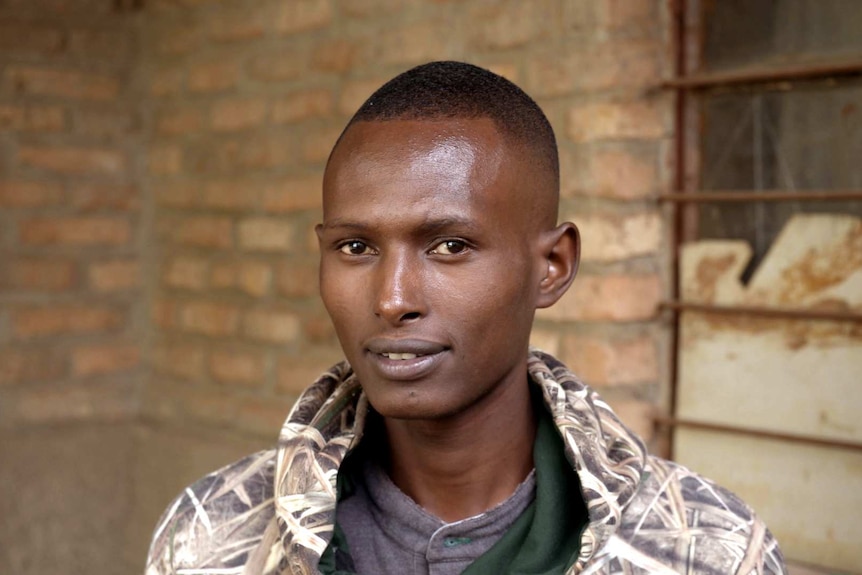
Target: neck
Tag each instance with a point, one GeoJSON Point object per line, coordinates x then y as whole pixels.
{"type": "Point", "coordinates": [464, 465]}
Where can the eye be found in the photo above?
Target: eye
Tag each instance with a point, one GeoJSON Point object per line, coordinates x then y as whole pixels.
{"type": "Point", "coordinates": [355, 248]}
{"type": "Point", "coordinates": [449, 247]}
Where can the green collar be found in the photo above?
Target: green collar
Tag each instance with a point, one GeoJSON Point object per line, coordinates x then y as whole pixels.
{"type": "Point", "coordinates": [544, 540]}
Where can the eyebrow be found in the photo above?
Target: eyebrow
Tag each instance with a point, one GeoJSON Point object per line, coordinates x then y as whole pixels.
{"type": "Point", "coordinates": [430, 226]}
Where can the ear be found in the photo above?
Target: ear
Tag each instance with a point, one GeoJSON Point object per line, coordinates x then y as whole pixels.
{"type": "Point", "coordinates": [561, 250]}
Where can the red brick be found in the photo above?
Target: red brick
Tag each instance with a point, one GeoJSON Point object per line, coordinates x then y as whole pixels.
{"type": "Point", "coordinates": [115, 275]}
{"type": "Point", "coordinates": [20, 194]}
{"type": "Point", "coordinates": [629, 15]}
{"type": "Point", "coordinates": [179, 359]}
{"type": "Point", "coordinates": [179, 121]}
{"type": "Point", "coordinates": [317, 145]}
{"type": "Point", "coordinates": [602, 362]}
{"type": "Point", "coordinates": [237, 24]}
{"type": "Point", "coordinates": [25, 365]}
{"type": "Point", "coordinates": [104, 123]}
{"type": "Point", "coordinates": [72, 231]}
{"type": "Point", "coordinates": [266, 235]}
{"type": "Point", "coordinates": [638, 416]}
{"type": "Point", "coordinates": [165, 160]}
{"type": "Point", "coordinates": [365, 8]}
{"type": "Point", "coordinates": [298, 280]}
{"type": "Point", "coordinates": [175, 40]}
{"type": "Point", "coordinates": [510, 24]}
{"type": "Point", "coordinates": [506, 70]}
{"type": "Point", "coordinates": [32, 118]}
{"type": "Point", "coordinates": [275, 67]}
{"type": "Point", "coordinates": [167, 82]}
{"type": "Point", "coordinates": [267, 152]}
{"type": "Point", "coordinates": [612, 298]}
{"type": "Point", "coordinates": [113, 401]}
{"type": "Point", "coordinates": [211, 407]}
{"type": "Point", "coordinates": [271, 326]}
{"type": "Point", "coordinates": [293, 195]}
{"type": "Point", "coordinates": [87, 197]}
{"type": "Point", "coordinates": [237, 114]}
{"type": "Point", "coordinates": [295, 374]}
{"type": "Point", "coordinates": [618, 120]}
{"type": "Point", "coordinates": [237, 366]}
{"type": "Point", "coordinates": [620, 173]}
{"type": "Point", "coordinates": [164, 313]}
{"type": "Point", "coordinates": [355, 92]}
{"type": "Point", "coordinates": [263, 416]}
{"type": "Point", "coordinates": [251, 277]}
{"type": "Point", "coordinates": [580, 17]}
{"type": "Point", "coordinates": [238, 156]}
{"type": "Point", "coordinates": [30, 81]}
{"type": "Point", "coordinates": [202, 231]}
{"type": "Point", "coordinates": [57, 7]}
{"type": "Point", "coordinates": [213, 76]}
{"type": "Point", "coordinates": [185, 272]}
{"type": "Point", "coordinates": [232, 195]}
{"type": "Point", "coordinates": [95, 45]}
{"type": "Point", "coordinates": [105, 359]}
{"type": "Point", "coordinates": [302, 15]}
{"type": "Point", "coordinates": [107, 124]}
{"type": "Point", "coordinates": [302, 106]}
{"type": "Point", "coordinates": [27, 38]}
{"type": "Point", "coordinates": [50, 275]}
{"type": "Point", "coordinates": [414, 43]}
{"type": "Point", "coordinates": [614, 237]}
{"type": "Point", "coordinates": [604, 67]}
{"type": "Point", "coordinates": [58, 319]}
{"type": "Point", "coordinates": [175, 194]}
{"type": "Point", "coordinates": [73, 161]}
{"type": "Point", "coordinates": [546, 340]}
{"type": "Point", "coordinates": [335, 55]}
{"type": "Point", "coordinates": [209, 318]}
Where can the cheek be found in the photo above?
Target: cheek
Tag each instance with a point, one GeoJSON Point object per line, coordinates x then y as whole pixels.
{"type": "Point", "coordinates": [495, 299]}
{"type": "Point", "coordinates": [338, 297]}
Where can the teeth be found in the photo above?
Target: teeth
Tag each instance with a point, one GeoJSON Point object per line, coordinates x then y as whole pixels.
{"type": "Point", "coordinates": [400, 355]}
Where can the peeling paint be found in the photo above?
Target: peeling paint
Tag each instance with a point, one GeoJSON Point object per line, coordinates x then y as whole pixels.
{"type": "Point", "coordinates": [787, 375]}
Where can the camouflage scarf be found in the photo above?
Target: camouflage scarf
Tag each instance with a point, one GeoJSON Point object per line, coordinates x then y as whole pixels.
{"type": "Point", "coordinates": [273, 513]}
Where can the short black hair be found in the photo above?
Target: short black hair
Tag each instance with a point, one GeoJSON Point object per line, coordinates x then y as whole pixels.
{"type": "Point", "coordinates": [447, 89]}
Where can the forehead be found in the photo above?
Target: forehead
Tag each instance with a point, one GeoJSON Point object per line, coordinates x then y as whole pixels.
{"type": "Point", "coordinates": [420, 162]}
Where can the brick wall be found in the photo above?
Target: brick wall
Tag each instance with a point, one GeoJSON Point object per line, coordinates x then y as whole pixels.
{"type": "Point", "coordinates": [244, 100]}
{"type": "Point", "coordinates": [159, 181]}
{"type": "Point", "coordinates": [71, 305]}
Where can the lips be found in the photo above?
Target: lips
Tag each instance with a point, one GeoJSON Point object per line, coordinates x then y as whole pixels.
{"type": "Point", "coordinates": [404, 359]}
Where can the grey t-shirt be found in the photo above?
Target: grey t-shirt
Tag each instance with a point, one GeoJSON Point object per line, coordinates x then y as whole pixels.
{"type": "Point", "coordinates": [388, 532]}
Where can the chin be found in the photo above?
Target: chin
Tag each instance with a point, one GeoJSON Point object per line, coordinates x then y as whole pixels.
{"type": "Point", "coordinates": [410, 408]}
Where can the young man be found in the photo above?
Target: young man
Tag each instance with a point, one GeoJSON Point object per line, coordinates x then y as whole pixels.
{"type": "Point", "coordinates": [443, 444]}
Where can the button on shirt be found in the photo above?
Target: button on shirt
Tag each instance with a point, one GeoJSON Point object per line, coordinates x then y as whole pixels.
{"type": "Point", "coordinates": [388, 532]}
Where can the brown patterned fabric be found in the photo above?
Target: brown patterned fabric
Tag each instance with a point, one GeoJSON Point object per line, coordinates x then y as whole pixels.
{"type": "Point", "coordinates": [273, 512]}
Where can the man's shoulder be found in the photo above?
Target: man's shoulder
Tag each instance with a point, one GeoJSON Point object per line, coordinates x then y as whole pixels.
{"type": "Point", "coordinates": [680, 518]}
{"type": "Point", "coordinates": [218, 520]}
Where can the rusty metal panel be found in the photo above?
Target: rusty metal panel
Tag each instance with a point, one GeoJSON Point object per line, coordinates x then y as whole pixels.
{"type": "Point", "coordinates": [794, 376]}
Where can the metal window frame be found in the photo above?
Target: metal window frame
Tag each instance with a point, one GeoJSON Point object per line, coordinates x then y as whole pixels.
{"type": "Point", "coordinates": [686, 84]}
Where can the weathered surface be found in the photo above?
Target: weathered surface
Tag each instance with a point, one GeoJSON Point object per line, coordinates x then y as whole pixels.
{"type": "Point", "coordinates": [792, 376]}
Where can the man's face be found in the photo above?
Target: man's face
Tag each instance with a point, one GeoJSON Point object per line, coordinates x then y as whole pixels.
{"type": "Point", "coordinates": [430, 263]}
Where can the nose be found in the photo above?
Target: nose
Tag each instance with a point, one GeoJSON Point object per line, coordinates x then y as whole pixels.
{"type": "Point", "coordinates": [399, 289]}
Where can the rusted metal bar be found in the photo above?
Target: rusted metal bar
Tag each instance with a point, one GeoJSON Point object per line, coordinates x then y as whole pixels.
{"type": "Point", "coordinates": [760, 74]}
{"type": "Point", "coordinates": [760, 196]}
{"type": "Point", "coordinates": [761, 311]}
{"type": "Point", "coordinates": [759, 433]}
{"type": "Point", "coordinates": [681, 104]}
